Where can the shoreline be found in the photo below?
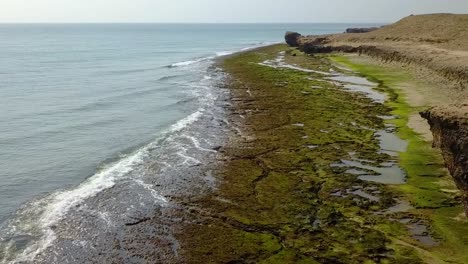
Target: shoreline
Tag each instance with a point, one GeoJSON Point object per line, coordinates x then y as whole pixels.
{"type": "Point", "coordinates": [318, 158]}
{"type": "Point", "coordinates": [128, 202]}
{"type": "Point", "coordinates": [281, 198]}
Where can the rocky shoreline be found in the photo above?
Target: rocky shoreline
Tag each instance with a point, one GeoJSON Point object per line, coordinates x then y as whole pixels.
{"type": "Point", "coordinates": [324, 162]}
{"type": "Point", "coordinates": [305, 173]}
{"type": "Point", "coordinates": [320, 164]}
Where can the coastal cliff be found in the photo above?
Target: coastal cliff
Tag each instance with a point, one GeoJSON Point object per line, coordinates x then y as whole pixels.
{"type": "Point", "coordinates": [450, 128]}
{"type": "Point", "coordinates": [434, 48]}
{"type": "Point", "coordinates": [436, 42]}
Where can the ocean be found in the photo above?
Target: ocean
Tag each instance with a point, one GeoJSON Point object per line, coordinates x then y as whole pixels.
{"type": "Point", "coordinates": [103, 122]}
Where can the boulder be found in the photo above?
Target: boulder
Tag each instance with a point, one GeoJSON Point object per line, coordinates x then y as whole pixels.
{"type": "Point", "coordinates": [292, 38]}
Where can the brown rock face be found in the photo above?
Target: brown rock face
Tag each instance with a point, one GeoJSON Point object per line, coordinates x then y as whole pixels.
{"type": "Point", "coordinates": [450, 128]}
{"type": "Point", "coordinates": [292, 38]}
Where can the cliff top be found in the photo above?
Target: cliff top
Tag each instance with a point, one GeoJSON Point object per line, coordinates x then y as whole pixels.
{"type": "Point", "coordinates": [435, 46]}
{"type": "Point", "coordinates": [437, 43]}
{"type": "Point", "coordinates": [448, 31]}
{"type": "Point", "coordinates": [458, 112]}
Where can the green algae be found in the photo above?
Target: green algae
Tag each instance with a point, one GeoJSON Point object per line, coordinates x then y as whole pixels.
{"type": "Point", "coordinates": [429, 188]}
{"type": "Point", "coordinates": [275, 201]}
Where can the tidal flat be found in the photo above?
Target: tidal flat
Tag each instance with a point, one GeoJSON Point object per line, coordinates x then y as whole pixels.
{"type": "Point", "coordinates": [304, 176]}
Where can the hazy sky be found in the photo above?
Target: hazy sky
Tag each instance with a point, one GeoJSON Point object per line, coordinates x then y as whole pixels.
{"type": "Point", "coordinates": [221, 10]}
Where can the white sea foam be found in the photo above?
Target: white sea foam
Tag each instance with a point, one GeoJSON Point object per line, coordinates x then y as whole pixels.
{"type": "Point", "coordinates": [224, 53]}
{"type": "Point", "coordinates": [186, 121]}
{"type": "Point", "coordinates": [189, 161]}
{"type": "Point", "coordinates": [254, 46]}
{"type": "Point", "coordinates": [58, 204]}
{"type": "Point", "coordinates": [196, 143]}
{"type": "Point", "coordinates": [183, 63]}
{"type": "Point", "coordinates": [44, 215]}
{"type": "Point", "coordinates": [190, 62]}
{"type": "Point", "coordinates": [218, 54]}
{"type": "Point", "coordinates": [154, 193]}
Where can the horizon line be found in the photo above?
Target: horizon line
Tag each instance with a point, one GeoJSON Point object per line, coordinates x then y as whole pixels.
{"type": "Point", "coordinates": [195, 23]}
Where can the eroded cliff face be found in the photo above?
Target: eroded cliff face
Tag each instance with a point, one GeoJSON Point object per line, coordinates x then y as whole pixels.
{"type": "Point", "coordinates": [437, 42]}
{"type": "Point", "coordinates": [408, 54]}
{"type": "Point", "coordinates": [450, 128]}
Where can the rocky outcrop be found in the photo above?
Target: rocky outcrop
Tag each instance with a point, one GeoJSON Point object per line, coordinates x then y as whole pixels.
{"type": "Point", "coordinates": [450, 128]}
{"type": "Point", "coordinates": [361, 30]}
{"type": "Point", "coordinates": [292, 38]}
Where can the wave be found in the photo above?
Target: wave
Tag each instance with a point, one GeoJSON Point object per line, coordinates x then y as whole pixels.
{"type": "Point", "coordinates": [130, 71]}
{"type": "Point", "coordinates": [189, 62]}
{"type": "Point", "coordinates": [224, 53]}
{"type": "Point", "coordinates": [44, 214]}
{"type": "Point", "coordinates": [39, 219]}
{"type": "Point", "coordinates": [169, 77]}
{"type": "Point", "coordinates": [250, 47]}
{"type": "Point", "coordinates": [219, 54]}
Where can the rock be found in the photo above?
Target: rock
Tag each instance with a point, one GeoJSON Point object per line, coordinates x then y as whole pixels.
{"type": "Point", "coordinates": [292, 38]}
{"type": "Point", "coordinates": [450, 128]}
{"type": "Point", "coordinates": [361, 30]}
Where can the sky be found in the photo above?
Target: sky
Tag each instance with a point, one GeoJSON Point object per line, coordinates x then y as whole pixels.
{"type": "Point", "coordinates": [220, 11]}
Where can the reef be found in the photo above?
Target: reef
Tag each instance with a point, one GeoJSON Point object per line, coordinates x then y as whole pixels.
{"type": "Point", "coordinates": [305, 170]}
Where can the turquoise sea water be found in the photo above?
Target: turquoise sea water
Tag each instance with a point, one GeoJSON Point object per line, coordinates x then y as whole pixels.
{"type": "Point", "coordinates": [86, 108]}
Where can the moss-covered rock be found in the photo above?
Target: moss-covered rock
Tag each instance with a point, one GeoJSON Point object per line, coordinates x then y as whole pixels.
{"type": "Point", "coordinates": [280, 198]}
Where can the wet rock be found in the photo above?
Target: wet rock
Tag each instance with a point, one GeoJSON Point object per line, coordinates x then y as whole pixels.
{"type": "Point", "coordinates": [449, 126]}
{"type": "Point", "coordinates": [292, 38]}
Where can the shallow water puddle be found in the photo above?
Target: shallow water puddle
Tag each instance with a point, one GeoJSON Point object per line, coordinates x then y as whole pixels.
{"type": "Point", "coordinates": [390, 143]}
{"type": "Point", "coordinates": [365, 195]}
{"type": "Point", "coordinates": [368, 91]}
{"type": "Point", "coordinates": [401, 206]}
{"type": "Point", "coordinates": [358, 192]}
{"type": "Point", "coordinates": [361, 85]}
{"type": "Point", "coordinates": [392, 174]}
{"type": "Point", "coordinates": [420, 232]}
{"type": "Point", "coordinates": [278, 62]}
{"type": "Point", "coordinates": [352, 80]}
{"type": "Point", "coordinates": [386, 173]}
{"type": "Point", "coordinates": [356, 172]}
